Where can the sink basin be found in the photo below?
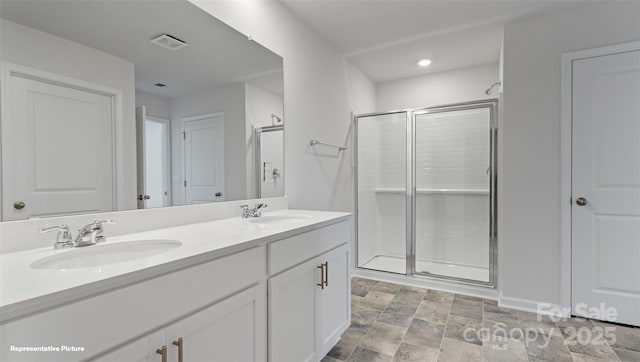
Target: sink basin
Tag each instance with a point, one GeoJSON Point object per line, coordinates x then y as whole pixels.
{"type": "Point", "coordinates": [279, 219]}
{"type": "Point", "coordinates": [104, 254]}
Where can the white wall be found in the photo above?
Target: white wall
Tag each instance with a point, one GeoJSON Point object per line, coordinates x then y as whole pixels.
{"type": "Point", "coordinates": [317, 102]}
{"type": "Point", "coordinates": [231, 101]}
{"type": "Point", "coordinates": [260, 105]}
{"type": "Point", "coordinates": [530, 204]}
{"type": "Point", "coordinates": [35, 49]}
{"type": "Point", "coordinates": [158, 107]}
{"type": "Point", "coordinates": [362, 90]}
{"type": "Point", "coordinates": [460, 85]}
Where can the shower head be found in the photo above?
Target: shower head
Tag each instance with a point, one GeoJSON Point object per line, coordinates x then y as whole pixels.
{"type": "Point", "coordinates": [488, 91]}
{"type": "Point", "coordinates": [274, 118]}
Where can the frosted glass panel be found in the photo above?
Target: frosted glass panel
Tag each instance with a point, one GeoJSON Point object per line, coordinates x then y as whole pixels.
{"type": "Point", "coordinates": [382, 186]}
{"type": "Point", "coordinates": [452, 165]}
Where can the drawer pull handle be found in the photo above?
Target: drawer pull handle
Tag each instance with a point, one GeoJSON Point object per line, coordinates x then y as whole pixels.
{"type": "Point", "coordinates": [321, 284]}
{"type": "Point", "coordinates": [162, 351]}
{"type": "Point", "coordinates": [179, 344]}
{"type": "Point", "coordinates": [326, 274]}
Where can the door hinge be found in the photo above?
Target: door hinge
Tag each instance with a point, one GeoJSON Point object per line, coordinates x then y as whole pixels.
{"type": "Point", "coordinates": [184, 135]}
{"type": "Point", "coordinates": [185, 183]}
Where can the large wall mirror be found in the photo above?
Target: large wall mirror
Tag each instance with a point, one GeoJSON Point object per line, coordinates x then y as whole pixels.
{"type": "Point", "coordinates": [118, 105]}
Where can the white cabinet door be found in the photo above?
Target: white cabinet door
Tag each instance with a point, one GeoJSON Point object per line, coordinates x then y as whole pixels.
{"type": "Point", "coordinates": [333, 301]}
{"type": "Point", "coordinates": [233, 330]}
{"type": "Point", "coordinates": [305, 319]}
{"type": "Point", "coordinates": [606, 186]}
{"type": "Point", "coordinates": [141, 350]}
{"type": "Point", "coordinates": [292, 314]}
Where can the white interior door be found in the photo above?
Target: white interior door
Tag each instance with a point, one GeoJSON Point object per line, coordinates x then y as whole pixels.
{"type": "Point", "coordinates": [153, 165]}
{"type": "Point", "coordinates": [606, 186]}
{"type": "Point", "coordinates": [157, 165]}
{"type": "Point", "coordinates": [141, 181]}
{"type": "Point", "coordinates": [57, 149]}
{"type": "Point", "coordinates": [204, 158]}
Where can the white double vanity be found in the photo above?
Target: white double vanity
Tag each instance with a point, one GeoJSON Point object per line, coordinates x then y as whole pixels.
{"type": "Point", "coordinates": [270, 288]}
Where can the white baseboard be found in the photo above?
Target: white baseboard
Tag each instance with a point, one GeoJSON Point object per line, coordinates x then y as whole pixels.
{"type": "Point", "coordinates": [532, 306]}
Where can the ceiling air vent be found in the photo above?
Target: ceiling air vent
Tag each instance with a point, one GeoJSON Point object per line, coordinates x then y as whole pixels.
{"type": "Point", "coordinates": [169, 42]}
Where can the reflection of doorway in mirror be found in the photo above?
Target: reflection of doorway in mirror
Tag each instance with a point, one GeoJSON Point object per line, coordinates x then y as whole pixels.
{"type": "Point", "coordinates": [157, 166]}
{"type": "Point", "coordinates": [270, 156]}
{"type": "Point", "coordinates": [204, 158]}
{"type": "Point", "coordinates": [58, 145]}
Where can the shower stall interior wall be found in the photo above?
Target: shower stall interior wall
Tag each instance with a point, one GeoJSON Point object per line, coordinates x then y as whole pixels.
{"type": "Point", "coordinates": [425, 200]}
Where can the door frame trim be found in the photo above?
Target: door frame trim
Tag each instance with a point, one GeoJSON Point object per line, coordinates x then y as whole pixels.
{"type": "Point", "coordinates": [566, 94]}
{"type": "Point", "coordinates": [8, 69]}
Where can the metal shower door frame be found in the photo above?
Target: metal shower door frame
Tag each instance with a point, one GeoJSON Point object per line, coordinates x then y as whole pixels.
{"type": "Point", "coordinates": [408, 194]}
{"type": "Point", "coordinates": [410, 201]}
{"type": "Point", "coordinates": [492, 105]}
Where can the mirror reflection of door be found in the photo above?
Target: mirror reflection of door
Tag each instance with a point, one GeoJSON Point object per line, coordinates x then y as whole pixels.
{"type": "Point", "coordinates": [270, 161]}
{"type": "Point", "coordinates": [157, 166]}
{"type": "Point", "coordinates": [57, 145]}
{"type": "Point", "coordinates": [154, 167]}
{"type": "Point", "coordinates": [204, 158]}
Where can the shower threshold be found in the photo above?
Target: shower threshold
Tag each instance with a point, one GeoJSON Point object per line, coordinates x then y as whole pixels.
{"type": "Point", "coordinates": [396, 264]}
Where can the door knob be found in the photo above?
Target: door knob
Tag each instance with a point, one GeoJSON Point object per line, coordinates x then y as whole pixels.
{"type": "Point", "coordinates": [19, 205]}
{"type": "Point", "coordinates": [581, 201]}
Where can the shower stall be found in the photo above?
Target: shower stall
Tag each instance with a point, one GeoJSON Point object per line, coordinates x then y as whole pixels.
{"type": "Point", "coordinates": [425, 192]}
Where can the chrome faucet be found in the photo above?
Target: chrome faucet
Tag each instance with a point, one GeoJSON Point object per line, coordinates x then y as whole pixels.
{"type": "Point", "coordinates": [63, 239]}
{"type": "Point", "coordinates": [89, 234]}
{"type": "Point", "coordinates": [255, 212]}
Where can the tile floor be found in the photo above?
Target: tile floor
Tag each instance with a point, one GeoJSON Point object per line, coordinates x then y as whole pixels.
{"type": "Point", "coordinates": [397, 323]}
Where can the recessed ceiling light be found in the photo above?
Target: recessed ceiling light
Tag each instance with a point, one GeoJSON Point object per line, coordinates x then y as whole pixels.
{"type": "Point", "coordinates": [424, 62]}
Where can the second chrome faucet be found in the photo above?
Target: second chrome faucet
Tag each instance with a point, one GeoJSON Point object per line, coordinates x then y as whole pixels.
{"type": "Point", "coordinates": [255, 212]}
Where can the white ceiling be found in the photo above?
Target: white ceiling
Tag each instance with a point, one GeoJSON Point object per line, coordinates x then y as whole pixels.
{"type": "Point", "coordinates": [216, 55]}
{"type": "Point", "coordinates": [386, 38]}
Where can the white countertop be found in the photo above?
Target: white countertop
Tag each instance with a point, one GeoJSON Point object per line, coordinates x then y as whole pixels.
{"type": "Point", "coordinates": [24, 290]}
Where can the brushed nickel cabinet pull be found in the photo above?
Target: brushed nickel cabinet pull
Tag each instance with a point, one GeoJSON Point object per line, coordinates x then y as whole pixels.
{"type": "Point", "coordinates": [326, 274]}
{"type": "Point", "coordinates": [162, 351]}
{"type": "Point", "coordinates": [321, 284]}
{"type": "Point", "coordinates": [179, 344]}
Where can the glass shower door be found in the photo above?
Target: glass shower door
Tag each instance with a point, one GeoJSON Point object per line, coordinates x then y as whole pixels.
{"type": "Point", "coordinates": [453, 184]}
{"type": "Point", "coordinates": [381, 197]}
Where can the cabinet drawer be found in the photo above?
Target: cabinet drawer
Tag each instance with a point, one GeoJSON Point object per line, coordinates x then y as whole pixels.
{"type": "Point", "coordinates": [288, 252]}
{"type": "Point", "coordinates": [104, 321]}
